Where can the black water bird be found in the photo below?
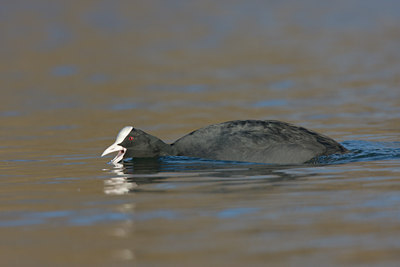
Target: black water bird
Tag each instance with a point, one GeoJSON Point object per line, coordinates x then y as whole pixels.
{"type": "Point", "coordinates": [268, 141]}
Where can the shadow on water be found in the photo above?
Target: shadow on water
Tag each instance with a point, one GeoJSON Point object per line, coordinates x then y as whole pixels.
{"type": "Point", "coordinates": [136, 172]}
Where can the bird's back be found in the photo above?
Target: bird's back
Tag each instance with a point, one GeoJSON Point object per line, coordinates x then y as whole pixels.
{"type": "Point", "coordinates": [256, 141]}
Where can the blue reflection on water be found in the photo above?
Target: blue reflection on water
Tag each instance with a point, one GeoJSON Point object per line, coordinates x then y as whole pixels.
{"type": "Point", "coordinates": [270, 103]}
{"type": "Point", "coordinates": [124, 106]}
{"type": "Point", "coordinates": [365, 151]}
{"type": "Point", "coordinates": [31, 218]}
{"type": "Point", "coordinates": [64, 70]}
{"type": "Point", "coordinates": [236, 212]}
{"type": "Point", "coordinates": [10, 113]}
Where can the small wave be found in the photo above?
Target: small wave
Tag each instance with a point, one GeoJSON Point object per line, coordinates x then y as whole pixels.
{"type": "Point", "coordinates": [364, 151]}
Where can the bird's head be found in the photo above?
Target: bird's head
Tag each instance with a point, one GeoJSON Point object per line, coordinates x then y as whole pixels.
{"type": "Point", "coordinates": [120, 144]}
{"type": "Point", "coordinates": [135, 143]}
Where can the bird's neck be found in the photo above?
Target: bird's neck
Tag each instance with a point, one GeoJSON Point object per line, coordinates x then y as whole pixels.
{"type": "Point", "coordinates": [165, 149]}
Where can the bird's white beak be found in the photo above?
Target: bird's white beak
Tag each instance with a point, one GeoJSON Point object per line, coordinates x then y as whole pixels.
{"type": "Point", "coordinates": [114, 148]}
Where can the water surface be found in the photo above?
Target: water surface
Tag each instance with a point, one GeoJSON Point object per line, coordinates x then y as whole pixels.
{"type": "Point", "coordinates": [73, 73]}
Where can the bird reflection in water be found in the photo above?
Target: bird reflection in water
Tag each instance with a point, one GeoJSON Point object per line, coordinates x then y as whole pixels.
{"type": "Point", "coordinates": [124, 229]}
{"type": "Point", "coordinates": [136, 172]}
{"type": "Point", "coordinates": [118, 185]}
{"type": "Point", "coordinates": [131, 173]}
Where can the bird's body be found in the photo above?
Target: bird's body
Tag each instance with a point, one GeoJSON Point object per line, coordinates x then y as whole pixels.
{"type": "Point", "coordinates": [240, 140]}
{"type": "Point", "coordinates": [256, 141]}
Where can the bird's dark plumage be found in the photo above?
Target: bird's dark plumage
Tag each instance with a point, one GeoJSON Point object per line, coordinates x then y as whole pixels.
{"type": "Point", "coordinates": [241, 140]}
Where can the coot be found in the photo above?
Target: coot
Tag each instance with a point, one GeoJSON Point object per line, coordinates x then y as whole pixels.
{"type": "Point", "coordinates": [260, 141]}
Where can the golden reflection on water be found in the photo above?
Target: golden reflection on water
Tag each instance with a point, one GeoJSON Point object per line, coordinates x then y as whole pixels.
{"type": "Point", "coordinates": [74, 73]}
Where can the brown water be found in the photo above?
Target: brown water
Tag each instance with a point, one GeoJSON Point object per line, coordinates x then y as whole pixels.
{"type": "Point", "coordinates": [74, 72]}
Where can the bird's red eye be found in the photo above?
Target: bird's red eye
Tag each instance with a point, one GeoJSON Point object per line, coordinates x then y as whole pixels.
{"type": "Point", "coordinates": [130, 138]}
